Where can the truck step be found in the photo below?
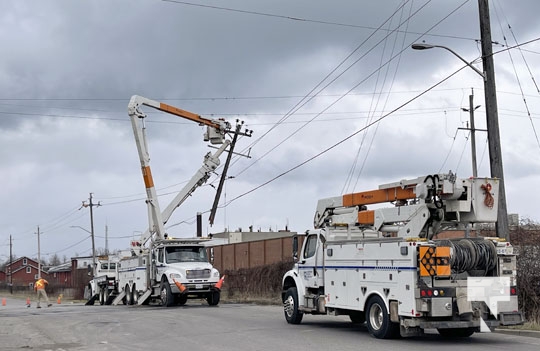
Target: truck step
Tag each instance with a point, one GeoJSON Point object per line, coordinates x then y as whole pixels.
{"type": "Point", "coordinates": [142, 299]}
{"type": "Point", "coordinates": [119, 298]}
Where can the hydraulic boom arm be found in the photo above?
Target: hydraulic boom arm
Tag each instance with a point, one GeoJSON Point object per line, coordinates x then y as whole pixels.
{"type": "Point", "coordinates": [215, 134]}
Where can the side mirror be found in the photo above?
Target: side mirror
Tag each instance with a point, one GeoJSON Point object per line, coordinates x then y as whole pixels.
{"type": "Point", "coordinates": [89, 270]}
{"type": "Point", "coordinates": [295, 248]}
{"type": "Point", "coordinates": [212, 255]}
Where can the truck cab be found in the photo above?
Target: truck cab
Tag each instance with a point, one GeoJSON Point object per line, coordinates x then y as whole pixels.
{"type": "Point", "coordinates": [184, 271]}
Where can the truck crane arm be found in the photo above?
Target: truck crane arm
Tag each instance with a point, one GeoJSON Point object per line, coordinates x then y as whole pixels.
{"type": "Point", "coordinates": [211, 162]}
{"type": "Point", "coordinates": [215, 134]}
{"type": "Point", "coordinates": [431, 199]}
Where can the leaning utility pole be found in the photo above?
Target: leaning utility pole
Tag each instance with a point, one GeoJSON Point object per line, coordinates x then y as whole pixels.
{"type": "Point", "coordinates": [494, 141]}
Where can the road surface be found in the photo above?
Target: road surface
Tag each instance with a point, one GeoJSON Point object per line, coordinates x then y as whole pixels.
{"type": "Point", "coordinates": [198, 326]}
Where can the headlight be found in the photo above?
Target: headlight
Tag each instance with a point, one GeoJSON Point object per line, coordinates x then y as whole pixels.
{"type": "Point", "coordinates": [175, 276]}
{"type": "Point", "coordinates": [216, 273]}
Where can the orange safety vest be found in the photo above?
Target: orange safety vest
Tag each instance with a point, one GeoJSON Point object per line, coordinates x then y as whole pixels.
{"type": "Point", "coordinates": [40, 284]}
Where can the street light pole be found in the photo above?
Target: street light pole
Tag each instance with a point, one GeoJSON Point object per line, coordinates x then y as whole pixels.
{"type": "Point", "coordinates": [492, 117]}
{"type": "Point", "coordinates": [424, 46]}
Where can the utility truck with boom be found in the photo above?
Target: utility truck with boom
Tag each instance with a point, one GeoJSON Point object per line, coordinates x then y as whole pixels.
{"type": "Point", "coordinates": [161, 267]}
{"type": "Point", "coordinates": [387, 267]}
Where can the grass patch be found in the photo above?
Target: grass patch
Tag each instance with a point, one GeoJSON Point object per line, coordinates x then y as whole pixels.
{"type": "Point", "coordinates": [525, 326]}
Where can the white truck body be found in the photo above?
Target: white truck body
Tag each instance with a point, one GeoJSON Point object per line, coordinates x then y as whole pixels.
{"type": "Point", "coordinates": [104, 286]}
{"type": "Point", "coordinates": [171, 270]}
{"type": "Point", "coordinates": [385, 267]}
{"type": "Point", "coordinates": [180, 271]}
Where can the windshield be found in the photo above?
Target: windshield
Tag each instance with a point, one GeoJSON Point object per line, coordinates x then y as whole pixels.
{"type": "Point", "coordinates": [186, 254]}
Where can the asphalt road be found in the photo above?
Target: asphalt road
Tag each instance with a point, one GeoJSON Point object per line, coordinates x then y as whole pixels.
{"type": "Point", "coordinates": [197, 326]}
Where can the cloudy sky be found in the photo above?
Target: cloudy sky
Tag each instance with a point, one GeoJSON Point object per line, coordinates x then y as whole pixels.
{"type": "Point", "coordinates": [303, 75]}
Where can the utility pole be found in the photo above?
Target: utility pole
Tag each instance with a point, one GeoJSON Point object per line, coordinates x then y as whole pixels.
{"type": "Point", "coordinates": [494, 141]}
{"type": "Point", "coordinates": [10, 263]}
{"type": "Point", "coordinates": [471, 110]}
{"type": "Point", "coordinates": [38, 254]}
{"type": "Point", "coordinates": [106, 239]}
{"type": "Point", "coordinates": [91, 205]}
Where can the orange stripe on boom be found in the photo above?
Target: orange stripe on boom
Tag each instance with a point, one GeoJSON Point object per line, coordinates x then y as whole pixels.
{"type": "Point", "coordinates": [186, 114]}
{"type": "Point", "coordinates": [366, 217]}
{"type": "Point", "coordinates": [147, 176]}
{"type": "Point", "coordinates": [378, 196]}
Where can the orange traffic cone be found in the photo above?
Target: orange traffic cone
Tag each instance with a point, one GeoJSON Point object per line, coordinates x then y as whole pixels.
{"type": "Point", "coordinates": [3, 301]}
{"type": "Point", "coordinates": [219, 284]}
{"type": "Point", "coordinates": [27, 302]}
{"type": "Point", "coordinates": [59, 300]}
{"type": "Point", "coordinates": [179, 285]}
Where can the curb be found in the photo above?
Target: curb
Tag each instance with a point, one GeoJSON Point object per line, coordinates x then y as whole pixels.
{"type": "Point", "coordinates": [519, 332]}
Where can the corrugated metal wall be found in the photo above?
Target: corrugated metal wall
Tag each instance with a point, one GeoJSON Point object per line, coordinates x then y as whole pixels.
{"type": "Point", "coordinates": [253, 254]}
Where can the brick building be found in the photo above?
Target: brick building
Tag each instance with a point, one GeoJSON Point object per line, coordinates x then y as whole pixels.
{"type": "Point", "coordinates": [23, 272]}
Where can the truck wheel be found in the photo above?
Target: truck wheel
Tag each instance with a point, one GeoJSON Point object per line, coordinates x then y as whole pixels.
{"type": "Point", "coordinates": [378, 320]}
{"type": "Point", "coordinates": [167, 298]}
{"type": "Point", "coordinates": [213, 298]}
{"type": "Point", "coordinates": [181, 299]}
{"type": "Point", "coordinates": [101, 298]}
{"type": "Point", "coordinates": [106, 296]}
{"type": "Point", "coordinates": [129, 297]}
{"type": "Point", "coordinates": [290, 306]}
{"type": "Point", "coordinates": [134, 295]}
{"type": "Point", "coordinates": [456, 332]}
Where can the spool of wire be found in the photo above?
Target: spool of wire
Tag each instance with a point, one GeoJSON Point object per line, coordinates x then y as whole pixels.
{"type": "Point", "coordinates": [471, 255]}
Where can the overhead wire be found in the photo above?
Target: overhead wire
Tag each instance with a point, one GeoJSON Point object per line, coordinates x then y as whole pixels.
{"type": "Point", "coordinates": [300, 19]}
{"type": "Point", "coordinates": [302, 103]}
{"type": "Point", "coordinates": [517, 76]}
{"type": "Point", "coordinates": [371, 109]}
{"type": "Point", "coordinates": [341, 141]}
{"type": "Point", "coordinates": [387, 96]}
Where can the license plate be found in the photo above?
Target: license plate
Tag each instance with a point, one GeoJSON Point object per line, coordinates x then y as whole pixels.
{"type": "Point", "coordinates": [198, 286]}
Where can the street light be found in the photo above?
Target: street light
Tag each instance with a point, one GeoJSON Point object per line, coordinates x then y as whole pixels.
{"type": "Point", "coordinates": [423, 46]}
{"type": "Point", "coordinates": [93, 248]}
{"type": "Point", "coordinates": [492, 118]}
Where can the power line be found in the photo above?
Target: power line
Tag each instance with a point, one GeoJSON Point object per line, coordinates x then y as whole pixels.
{"type": "Point", "coordinates": [300, 19]}
{"type": "Point", "coordinates": [341, 141]}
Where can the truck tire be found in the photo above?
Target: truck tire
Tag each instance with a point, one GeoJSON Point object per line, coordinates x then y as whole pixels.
{"type": "Point", "coordinates": [213, 298]}
{"type": "Point", "coordinates": [134, 294]}
{"type": "Point", "coordinates": [101, 297]}
{"type": "Point", "coordinates": [290, 307]}
{"type": "Point", "coordinates": [181, 299]}
{"type": "Point", "coordinates": [167, 298]}
{"type": "Point", "coordinates": [106, 296]}
{"type": "Point", "coordinates": [378, 320]}
{"type": "Point", "coordinates": [129, 296]}
{"type": "Point", "coordinates": [456, 332]}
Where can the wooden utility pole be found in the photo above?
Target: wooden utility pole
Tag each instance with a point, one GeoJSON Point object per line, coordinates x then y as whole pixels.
{"type": "Point", "coordinates": [91, 205]}
{"type": "Point", "coordinates": [494, 141]}
{"type": "Point", "coordinates": [10, 267]}
{"type": "Point", "coordinates": [38, 254]}
{"type": "Point", "coordinates": [473, 130]}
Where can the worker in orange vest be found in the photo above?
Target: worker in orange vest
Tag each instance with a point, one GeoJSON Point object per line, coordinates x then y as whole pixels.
{"type": "Point", "coordinates": [40, 288]}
